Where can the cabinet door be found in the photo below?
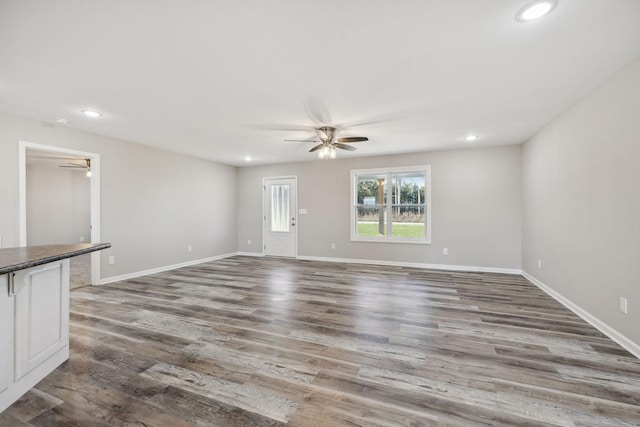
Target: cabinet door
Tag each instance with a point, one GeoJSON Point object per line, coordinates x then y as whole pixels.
{"type": "Point", "coordinates": [42, 314]}
{"type": "Point", "coordinates": [6, 334]}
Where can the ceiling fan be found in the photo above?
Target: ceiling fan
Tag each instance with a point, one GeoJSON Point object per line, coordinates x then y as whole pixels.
{"type": "Point", "coordinates": [327, 137]}
{"type": "Point", "coordinates": [73, 165]}
{"type": "Point", "coordinates": [326, 130]}
{"type": "Point", "coordinates": [77, 166]}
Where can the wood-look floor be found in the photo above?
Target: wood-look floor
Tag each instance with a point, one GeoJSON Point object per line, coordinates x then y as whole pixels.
{"type": "Point", "coordinates": [267, 342]}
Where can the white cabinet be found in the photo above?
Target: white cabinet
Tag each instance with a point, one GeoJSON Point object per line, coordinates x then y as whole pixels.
{"type": "Point", "coordinates": [37, 328]}
{"type": "Point", "coordinates": [6, 334]}
{"type": "Point", "coordinates": [41, 329]}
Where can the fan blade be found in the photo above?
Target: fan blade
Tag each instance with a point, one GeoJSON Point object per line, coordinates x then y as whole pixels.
{"type": "Point", "coordinates": [286, 128]}
{"type": "Point", "coordinates": [317, 147]}
{"type": "Point", "coordinates": [303, 140]}
{"type": "Point", "coordinates": [51, 157]}
{"type": "Point", "coordinates": [317, 111]}
{"type": "Point", "coordinates": [352, 139]}
{"type": "Point", "coordinates": [389, 118]}
{"type": "Point", "coordinates": [344, 146]}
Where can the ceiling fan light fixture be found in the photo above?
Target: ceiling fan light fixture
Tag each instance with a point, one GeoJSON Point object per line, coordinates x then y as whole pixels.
{"type": "Point", "coordinates": [327, 152]}
{"type": "Point", "coordinates": [89, 174]}
{"type": "Point", "coordinates": [535, 10]}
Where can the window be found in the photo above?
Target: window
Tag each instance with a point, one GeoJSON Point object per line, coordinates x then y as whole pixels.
{"type": "Point", "coordinates": [391, 205]}
{"type": "Point", "coordinates": [280, 208]}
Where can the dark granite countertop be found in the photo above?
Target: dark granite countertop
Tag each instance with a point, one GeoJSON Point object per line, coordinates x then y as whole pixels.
{"type": "Point", "coordinates": [14, 259]}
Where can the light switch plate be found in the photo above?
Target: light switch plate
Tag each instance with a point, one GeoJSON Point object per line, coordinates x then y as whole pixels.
{"type": "Point", "coordinates": [623, 305]}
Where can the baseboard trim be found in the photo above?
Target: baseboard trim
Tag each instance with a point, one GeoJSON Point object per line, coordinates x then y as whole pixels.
{"type": "Point", "coordinates": [258, 254]}
{"type": "Point", "coordinates": [165, 268]}
{"type": "Point", "coordinates": [473, 269]}
{"type": "Point", "coordinates": [625, 342]}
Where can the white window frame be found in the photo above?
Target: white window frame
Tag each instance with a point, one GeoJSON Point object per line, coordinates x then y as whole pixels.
{"type": "Point", "coordinates": [389, 172]}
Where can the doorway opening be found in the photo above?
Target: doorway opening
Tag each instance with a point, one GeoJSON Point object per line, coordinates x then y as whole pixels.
{"type": "Point", "coordinates": [73, 168]}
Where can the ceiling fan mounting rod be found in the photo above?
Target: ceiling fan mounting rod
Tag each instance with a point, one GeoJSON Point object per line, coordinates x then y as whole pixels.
{"type": "Point", "coordinates": [326, 133]}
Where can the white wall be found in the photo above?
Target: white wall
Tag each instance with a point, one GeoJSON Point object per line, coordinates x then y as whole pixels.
{"type": "Point", "coordinates": [154, 203]}
{"type": "Point", "coordinates": [581, 203]}
{"type": "Point", "coordinates": [476, 208]}
{"type": "Point", "coordinates": [58, 205]}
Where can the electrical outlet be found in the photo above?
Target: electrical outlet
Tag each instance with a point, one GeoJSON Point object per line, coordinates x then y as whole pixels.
{"type": "Point", "coordinates": [0, 240]}
{"type": "Point", "coordinates": [445, 251]}
{"type": "Point", "coordinates": [333, 246]}
{"type": "Point", "coordinates": [248, 242]}
{"type": "Point", "coordinates": [623, 305]}
{"type": "Point", "coordinates": [82, 238]}
{"type": "Point", "coordinates": [112, 260]}
{"type": "Point", "coordinates": [539, 263]}
{"type": "Point", "coordinates": [189, 248]}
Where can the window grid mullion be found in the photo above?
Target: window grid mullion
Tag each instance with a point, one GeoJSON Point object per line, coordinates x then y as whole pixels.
{"type": "Point", "coordinates": [389, 197]}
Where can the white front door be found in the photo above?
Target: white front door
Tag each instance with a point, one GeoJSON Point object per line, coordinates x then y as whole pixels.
{"type": "Point", "coordinates": [280, 225]}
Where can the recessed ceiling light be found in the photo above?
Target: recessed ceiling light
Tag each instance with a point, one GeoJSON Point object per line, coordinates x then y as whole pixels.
{"type": "Point", "coordinates": [61, 121]}
{"type": "Point", "coordinates": [91, 113]}
{"type": "Point", "coordinates": [470, 138]}
{"type": "Point", "coordinates": [247, 159]}
{"type": "Point", "coordinates": [535, 10]}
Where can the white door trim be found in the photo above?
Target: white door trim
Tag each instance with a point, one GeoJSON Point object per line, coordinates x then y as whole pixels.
{"type": "Point", "coordinates": [294, 209]}
{"type": "Point", "coordinates": [95, 195]}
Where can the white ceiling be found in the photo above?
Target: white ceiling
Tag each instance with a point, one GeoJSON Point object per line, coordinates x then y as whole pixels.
{"type": "Point", "coordinates": [214, 78]}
